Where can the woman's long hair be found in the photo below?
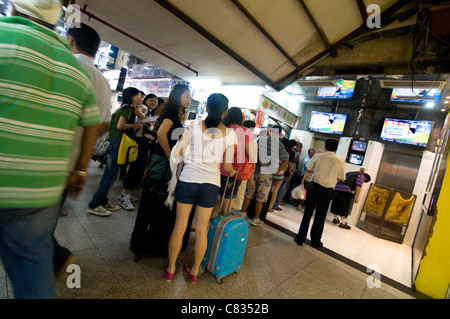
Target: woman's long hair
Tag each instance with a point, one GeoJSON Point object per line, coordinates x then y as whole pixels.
{"type": "Point", "coordinates": [234, 116]}
{"type": "Point", "coordinates": [174, 101]}
{"type": "Point", "coordinates": [215, 105]}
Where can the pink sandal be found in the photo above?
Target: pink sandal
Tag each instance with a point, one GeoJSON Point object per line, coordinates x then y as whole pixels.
{"type": "Point", "coordinates": [167, 275]}
{"type": "Point", "coordinates": [192, 278]}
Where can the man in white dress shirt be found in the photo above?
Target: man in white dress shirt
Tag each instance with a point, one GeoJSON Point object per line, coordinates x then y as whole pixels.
{"type": "Point", "coordinates": [84, 42]}
{"type": "Point", "coordinates": [328, 169]}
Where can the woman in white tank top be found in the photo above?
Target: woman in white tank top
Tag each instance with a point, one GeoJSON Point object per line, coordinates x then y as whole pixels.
{"type": "Point", "coordinates": [199, 181]}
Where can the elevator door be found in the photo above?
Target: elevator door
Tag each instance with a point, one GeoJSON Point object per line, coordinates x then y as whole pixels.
{"type": "Point", "coordinates": [398, 171]}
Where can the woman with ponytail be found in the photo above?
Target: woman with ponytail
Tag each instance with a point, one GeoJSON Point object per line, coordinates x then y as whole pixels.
{"type": "Point", "coordinates": [199, 182]}
{"type": "Point", "coordinates": [246, 148]}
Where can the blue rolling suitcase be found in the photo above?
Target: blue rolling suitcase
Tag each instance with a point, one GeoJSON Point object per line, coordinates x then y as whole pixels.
{"type": "Point", "coordinates": [227, 239]}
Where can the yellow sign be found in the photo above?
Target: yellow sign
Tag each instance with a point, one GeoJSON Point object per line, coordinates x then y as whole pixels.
{"type": "Point", "coordinates": [400, 209]}
{"type": "Point", "coordinates": [376, 200]}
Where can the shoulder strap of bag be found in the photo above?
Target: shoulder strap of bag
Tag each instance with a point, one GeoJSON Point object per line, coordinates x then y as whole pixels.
{"type": "Point", "coordinates": [119, 112]}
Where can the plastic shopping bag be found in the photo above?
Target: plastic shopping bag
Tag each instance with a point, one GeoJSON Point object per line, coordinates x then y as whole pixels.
{"type": "Point", "coordinates": [299, 192]}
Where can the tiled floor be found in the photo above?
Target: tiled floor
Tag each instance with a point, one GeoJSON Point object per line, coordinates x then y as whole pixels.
{"type": "Point", "coordinates": [391, 259]}
{"type": "Point", "coordinates": [274, 266]}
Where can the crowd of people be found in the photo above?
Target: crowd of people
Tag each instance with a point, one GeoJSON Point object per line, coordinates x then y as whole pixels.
{"type": "Point", "coordinates": [52, 115]}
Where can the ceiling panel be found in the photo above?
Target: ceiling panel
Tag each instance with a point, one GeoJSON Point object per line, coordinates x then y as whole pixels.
{"type": "Point", "coordinates": [238, 33]}
{"type": "Point", "coordinates": [337, 18]}
{"type": "Point", "coordinates": [155, 26]}
{"type": "Point", "coordinates": [237, 41]}
{"type": "Point", "coordinates": [289, 25]}
{"type": "Point", "coordinates": [383, 4]}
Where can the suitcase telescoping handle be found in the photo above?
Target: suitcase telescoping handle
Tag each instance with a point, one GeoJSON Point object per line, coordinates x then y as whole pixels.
{"type": "Point", "coordinates": [225, 190]}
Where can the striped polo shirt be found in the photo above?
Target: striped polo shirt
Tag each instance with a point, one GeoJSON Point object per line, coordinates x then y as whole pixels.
{"type": "Point", "coordinates": [352, 180]}
{"type": "Point", "coordinates": [45, 93]}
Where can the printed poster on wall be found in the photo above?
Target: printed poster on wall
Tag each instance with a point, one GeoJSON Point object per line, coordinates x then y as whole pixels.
{"type": "Point", "coordinates": [276, 111]}
{"type": "Point", "coordinates": [260, 117]}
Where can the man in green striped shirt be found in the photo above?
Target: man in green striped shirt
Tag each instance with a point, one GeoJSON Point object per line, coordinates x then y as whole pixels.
{"type": "Point", "coordinates": [45, 93]}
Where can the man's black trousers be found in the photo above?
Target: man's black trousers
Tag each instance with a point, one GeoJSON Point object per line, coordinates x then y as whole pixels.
{"type": "Point", "coordinates": [318, 199]}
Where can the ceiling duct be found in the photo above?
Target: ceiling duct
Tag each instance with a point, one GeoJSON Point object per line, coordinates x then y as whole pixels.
{"type": "Point", "coordinates": [393, 84]}
{"type": "Point", "coordinates": [317, 83]}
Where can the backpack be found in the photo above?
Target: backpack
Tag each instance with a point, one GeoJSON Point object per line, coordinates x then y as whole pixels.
{"type": "Point", "coordinates": [245, 169]}
{"type": "Point", "coordinates": [128, 150]}
{"type": "Point", "coordinates": [102, 145]}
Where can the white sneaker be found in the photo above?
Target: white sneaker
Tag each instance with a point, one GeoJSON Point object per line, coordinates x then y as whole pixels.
{"type": "Point", "coordinates": [132, 198]}
{"type": "Point", "coordinates": [126, 204]}
{"type": "Point", "coordinates": [99, 211]}
{"type": "Point", "coordinates": [245, 216]}
{"type": "Point", "coordinates": [257, 222]}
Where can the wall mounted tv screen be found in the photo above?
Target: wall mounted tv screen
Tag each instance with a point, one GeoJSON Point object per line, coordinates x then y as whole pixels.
{"type": "Point", "coordinates": [418, 96]}
{"type": "Point", "coordinates": [407, 131]}
{"type": "Point", "coordinates": [344, 90]}
{"type": "Point", "coordinates": [359, 146]}
{"type": "Point", "coordinates": [330, 123]}
{"type": "Point", "coordinates": [356, 152]}
{"type": "Point", "coordinates": [356, 159]}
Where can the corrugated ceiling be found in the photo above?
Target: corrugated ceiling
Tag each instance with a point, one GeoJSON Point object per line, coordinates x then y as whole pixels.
{"type": "Point", "coordinates": [232, 41]}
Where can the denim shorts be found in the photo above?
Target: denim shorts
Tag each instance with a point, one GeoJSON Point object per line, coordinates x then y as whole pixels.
{"type": "Point", "coordinates": [204, 195]}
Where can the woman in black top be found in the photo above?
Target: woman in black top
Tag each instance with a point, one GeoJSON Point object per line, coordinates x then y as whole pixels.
{"type": "Point", "coordinates": [173, 115]}
{"type": "Point", "coordinates": [171, 121]}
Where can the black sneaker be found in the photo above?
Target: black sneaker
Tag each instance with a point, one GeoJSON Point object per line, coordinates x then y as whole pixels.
{"type": "Point", "coordinates": [336, 221]}
{"type": "Point", "coordinates": [345, 226]}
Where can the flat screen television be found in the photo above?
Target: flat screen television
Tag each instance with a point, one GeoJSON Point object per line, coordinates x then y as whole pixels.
{"type": "Point", "coordinates": [329, 123]}
{"type": "Point", "coordinates": [356, 159]}
{"type": "Point", "coordinates": [359, 146]}
{"type": "Point", "coordinates": [407, 131]}
{"type": "Point", "coordinates": [417, 96]}
{"type": "Point", "coordinates": [356, 152]}
{"type": "Point", "coordinates": [344, 90]}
